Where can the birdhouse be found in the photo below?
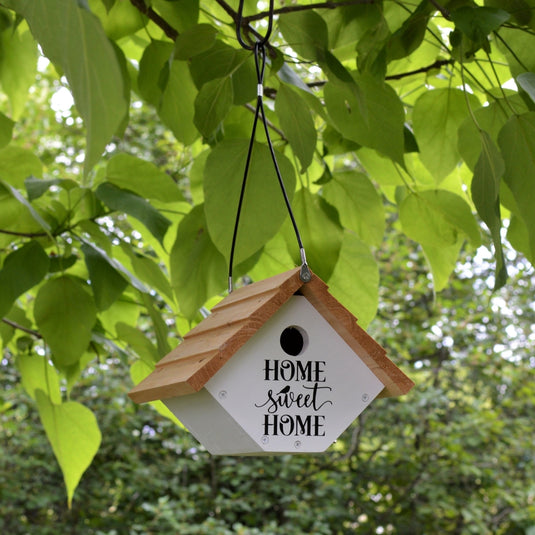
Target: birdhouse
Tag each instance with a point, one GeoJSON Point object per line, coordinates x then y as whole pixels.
{"type": "Point", "coordinates": [280, 366]}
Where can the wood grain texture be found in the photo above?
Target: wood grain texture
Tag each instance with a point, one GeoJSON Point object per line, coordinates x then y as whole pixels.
{"type": "Point", "coordinates": [237, 318]}
{"type": "Point", "coordinates": [374, 356]}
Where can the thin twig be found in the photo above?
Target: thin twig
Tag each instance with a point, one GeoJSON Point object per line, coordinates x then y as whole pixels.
{"type": "Point", "coordinates": [319, 5]}
{"type": "Point", "coordinates": [443, 11]}
{"type": "Point", "coordinates": [228, 10]}
{"type": "Point", "coordinates": [436, 65]}
{"type": "Point", "coordinates": [156, 18]}
{"type": "Point", "coordinates": [24, 234]}
{"type": "Point", "coordinates": [22, 328]}
{"type": "Point", "coordinates": [251, 108]}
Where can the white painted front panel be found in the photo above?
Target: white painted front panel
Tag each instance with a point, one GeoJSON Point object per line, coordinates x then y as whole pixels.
{"type": "Point", "coordinates": [332, 385]}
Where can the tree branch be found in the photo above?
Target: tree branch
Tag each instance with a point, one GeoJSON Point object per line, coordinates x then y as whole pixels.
{"type": "Point", "coordinates": [443, 11]}
{"type": "Point", "coordinates": [22, 328]}
{"type": "Point", "coordinates": [436, 65]}
{"type": "Point", "coordinates": [24, 234]}
{"type": "Point", "coordinates": [156, 18]}
{"type": "Point", "coordinates": [251, 108]}
{"type": "Point", "coordinates": [319, 5]}
{"type": "Point", "coordinates": [228, 10]}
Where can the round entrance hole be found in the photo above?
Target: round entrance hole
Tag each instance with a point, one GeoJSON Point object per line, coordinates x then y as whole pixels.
{"type": "Point", "coordinates": [293, 340]}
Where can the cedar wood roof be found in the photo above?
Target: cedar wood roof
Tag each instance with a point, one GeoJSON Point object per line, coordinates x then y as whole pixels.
{"type": "Point", "coordinates": [235, 319]}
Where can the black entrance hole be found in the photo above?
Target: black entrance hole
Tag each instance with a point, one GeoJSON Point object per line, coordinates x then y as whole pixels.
{"type": "Point", "coordinates": [292, 341]}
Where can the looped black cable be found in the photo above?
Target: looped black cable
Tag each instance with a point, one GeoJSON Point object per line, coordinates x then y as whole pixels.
{"type": "Point", "coordinates": [260, 64]}
{"type": "Point", "coordinates": [239, 23]}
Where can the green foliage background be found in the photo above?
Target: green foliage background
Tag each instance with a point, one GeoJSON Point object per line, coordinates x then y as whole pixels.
{"type": "Point", "coordinates": [405, 133]}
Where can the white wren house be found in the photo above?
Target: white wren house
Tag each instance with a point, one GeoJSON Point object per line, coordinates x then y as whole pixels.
{"type": "Point", "coordinates": [280, 366]}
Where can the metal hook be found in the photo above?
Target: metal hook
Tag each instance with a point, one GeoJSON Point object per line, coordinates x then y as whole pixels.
{"type": "Point", "coordinates": [239, 21]}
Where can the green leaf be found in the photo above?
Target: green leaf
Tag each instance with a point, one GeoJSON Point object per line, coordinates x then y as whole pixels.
{"type": "Point", "coordinates": [198, 269]}
{"type": "Point", "coordinates": [138, 371]}
{"type": "Point", "coordinates": [369, 113]}
{"type": "Point", "coordinates": [119, 19]}
{"type": "Point", "coordinates": [517, 144]}
{"type": "Point", "coordinates": [14, 216]}
{"type": "Point", "coordinates": [320, 232]}
{"type": "Point", "coordinates": [442, 261]}
{"type": "Point", "coordinates": [169, 87]}
{"type": "Point", "coordinates": [519, 49]}
{"type": "Point", "coordinates": [355, 279]}
{"type": "Point", "coordinates": [17, 195]}
{"type": "Point", "coordinates": [154, 60]}
{"type": "Point", "coordinates": [107, 284]}
{"type": "Point", "coordinates": [371, 49]}
{"type": "Point", "coordinates": [143, 178]}
{"type": "Point", "coordinates": [223, 61]}
{"type": "Point", "coordinates": [61, 263]}
{"type": "Point", "coordinates": [196, 177]}
{"type": "Point", "coordinates": [73, 433]}
{"type": "Point", "coordinates": [18, 316]}
{"type": "Point", "coordinates": [409, 37]}
{"type": "Point", "coordinates": [65, 314]}
{"type": "Point", "coordinates": [195, 40]}
{"type": "Point", "coordinates": [37, 374]}
{"type": "Point", "coordinates": [490, 119]}
{"type": "Point", "coordinates": [6, 130]}
{"type": "Point", "coordinates": [263, 210]}
{"type": "Point", "coordinates": [17, 164]}
{"type": "Point", "coordinates": [22, 270]}
{"type": "Point", "coordinates": [180, 14]}
{"type": "Point", "coordinates": [135, 206]}
{"type": "Point", "coordinates": [359, 205]}
{"type": "Point", "coordinates": [288, 76]}
{"type": "Point", "coordinates": [526, 81]}
{"type": "Point", "coordinates": [150, 272]}
{"type": "Point", "coordinates": [160, 328]}
{"type": "Point", "coordinates": [347, 24]}
{"type": "Point", "coordinates": [212, 104]}
{"type": "Point", "coordinates": [478, 22]}
{"type": "Point", "coordinates": [485, 190]}
{"type": "Point", "coordinates": [518, 237]}
{"type": "Point", "coordinates": [123, 311]}
{"type": "Point", "coordinates": [296, 123]}
{"type": "Point", "coordinates": [437, 116]}
{"type": "Point", "coordinates": [436, 218]}
{"type": "Point", "coordinates": [18, 66]}
{"type": "Point", "coordinates": [275, 259]}
{"type": "Point", "coordinates": [73, 38]}
{"type": "Point", "coordinates": [144, 348]}
{"type": "Point", "coordinates": [219, 61]}
{"type": "Point", "coordinates": [305, 31]}
{"type": "Point", "coordinates": [36, 187]}
{"type": "Point", "coordinates": [381, 169]}
{"type": "Point", "coordinates": [177, 104]}
{"type": "Point", "coordinates": [116, 265]}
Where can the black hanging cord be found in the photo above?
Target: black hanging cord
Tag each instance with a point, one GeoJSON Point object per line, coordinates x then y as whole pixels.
{"type": "Point", "coordinates": [260, 64]}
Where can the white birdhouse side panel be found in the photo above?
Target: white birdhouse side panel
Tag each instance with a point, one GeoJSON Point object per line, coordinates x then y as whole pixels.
{"type": "Point", "coordinates": [296, 385]}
